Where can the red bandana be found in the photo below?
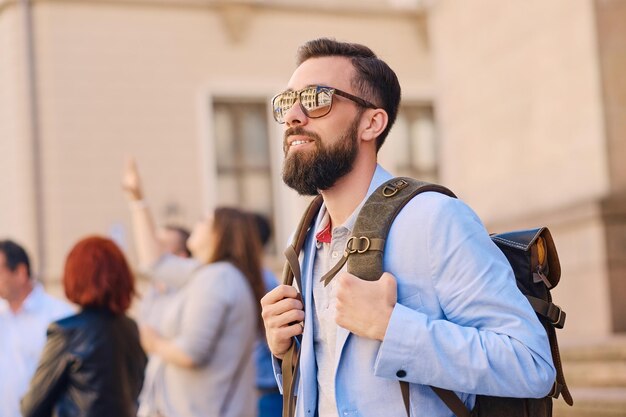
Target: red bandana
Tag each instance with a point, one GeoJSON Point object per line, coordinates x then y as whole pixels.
{"type": "Point", "coordinates": [325, 235]}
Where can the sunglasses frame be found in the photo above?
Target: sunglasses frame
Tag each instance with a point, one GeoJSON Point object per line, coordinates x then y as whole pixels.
{"type": "Point", "coordinates": [332, 90]}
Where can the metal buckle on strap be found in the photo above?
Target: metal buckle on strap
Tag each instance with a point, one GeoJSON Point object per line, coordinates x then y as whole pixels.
{"type": "Point", "coordinates": [392, 189]}
{"type": "Point", "coordinates": [560, 320]}
{"type": "Point", "coordinates": [363, 246]}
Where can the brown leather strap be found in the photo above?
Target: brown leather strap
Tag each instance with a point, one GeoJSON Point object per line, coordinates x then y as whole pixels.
{"type": "Point", "coordinates": [327, 277]}
{"type": "Point", "coordinates": [453, 402]}
{"type": "Point", "coordinates": [291, 271]}
{"type": "Point", "coordinates": [549, 310]}
{"type": "Point", "coordinates": [290, 368]}
{"type": "Point", "coordinates": [556, 359]}
{"type": "Point", "coordinates": [406, 397]}
{"type": "Point", "coordinates": [294, 265]}
{"type": "Point", "coordinates": [300, 237]}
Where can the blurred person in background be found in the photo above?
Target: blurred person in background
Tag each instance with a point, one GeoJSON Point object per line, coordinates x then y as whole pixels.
{"type": "Point", "coordinates": [93, 363]}
{"type": "Point", "coordinates": [270, 399]}
{"type": "Point", "coordinates": [201, 349]}
{"type": "Point", "coordinates": [25, 313]}
{"type": "Point", "coordinates": [174, 239]}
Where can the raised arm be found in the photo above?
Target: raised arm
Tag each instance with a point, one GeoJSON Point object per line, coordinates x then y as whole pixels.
{"type": "Point", "coordinates": [149, 250]}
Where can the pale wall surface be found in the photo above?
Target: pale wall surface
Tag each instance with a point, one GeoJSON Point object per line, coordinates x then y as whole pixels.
{"type": "Point", "coordinates": [17, 208]}
{"type": "Point", "coordinates": [611, 24]}
{"type": "Point", "coordinates": [520, 107]}
{"type": "Point", "coordinates": [519, 104]}
{"type": "Point", "coordinates": [120, 79]}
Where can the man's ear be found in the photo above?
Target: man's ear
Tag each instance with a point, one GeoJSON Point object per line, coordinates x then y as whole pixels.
{"type": "Point", "coordinates": [374, 122]}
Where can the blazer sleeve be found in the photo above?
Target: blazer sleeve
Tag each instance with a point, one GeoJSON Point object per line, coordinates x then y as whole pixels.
{"type": "Point", "coordinates": [51, 376]}
{"type": "Point", "coordinates": [486, 338]}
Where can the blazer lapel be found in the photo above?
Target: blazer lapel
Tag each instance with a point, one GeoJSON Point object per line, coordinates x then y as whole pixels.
{"type": "Point", "coordinates": [307, 390]}
{"type": "Point", "coordinates": [342, 338]}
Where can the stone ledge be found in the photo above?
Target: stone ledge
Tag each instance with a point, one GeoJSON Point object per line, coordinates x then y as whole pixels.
{"type": "Point", "coordinates": [593, 402]}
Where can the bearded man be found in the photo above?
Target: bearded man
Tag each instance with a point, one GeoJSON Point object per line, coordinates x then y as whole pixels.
{"type": "Point", "coordinates": [445, 313]}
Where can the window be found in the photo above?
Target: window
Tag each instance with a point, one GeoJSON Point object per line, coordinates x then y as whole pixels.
{"type": "Point", "coordinates": [412, 143]}
{"type": "Point", "coordinates": [242, 156]}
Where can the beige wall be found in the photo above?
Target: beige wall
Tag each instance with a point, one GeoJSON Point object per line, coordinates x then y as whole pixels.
{"type": "Point", "coordinates": [520, 98]}
{"type": "Point", "coordinates": [518, 91]}
{"type": "Point", "coordinates": [137, 78]}
{"type": "Point", "coordinates": [520, 105]}
{"type": "Point", "coordinates": [610, 18]}
{"type": "Point", "coordinates": [17, 207]}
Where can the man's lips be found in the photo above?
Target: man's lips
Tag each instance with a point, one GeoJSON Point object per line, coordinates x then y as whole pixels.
{"type": "Point", "coordinates": [296, 140]}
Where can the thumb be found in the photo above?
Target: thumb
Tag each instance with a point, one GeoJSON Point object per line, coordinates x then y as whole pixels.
{"type": "Point", "coordinates": [388, 282]}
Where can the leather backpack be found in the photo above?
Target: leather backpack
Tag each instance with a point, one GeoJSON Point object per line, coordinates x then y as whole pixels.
{"type": "Point", "coordinates": [531, 253]}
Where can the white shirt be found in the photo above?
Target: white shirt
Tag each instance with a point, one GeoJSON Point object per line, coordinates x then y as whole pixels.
{"type": "Point", "coordinates": [22, 338]}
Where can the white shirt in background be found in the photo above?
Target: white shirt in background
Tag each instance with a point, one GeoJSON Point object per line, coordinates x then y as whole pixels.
{"type": "Point", "coordinates": [22, 338]}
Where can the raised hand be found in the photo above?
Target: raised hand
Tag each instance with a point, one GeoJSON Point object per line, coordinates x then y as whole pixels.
{"type": "Point", "coordinates": [131, 182]}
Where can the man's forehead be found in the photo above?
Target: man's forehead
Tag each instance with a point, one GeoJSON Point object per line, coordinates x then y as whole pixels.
{"type": "Point", "coordinates": [333, 71]}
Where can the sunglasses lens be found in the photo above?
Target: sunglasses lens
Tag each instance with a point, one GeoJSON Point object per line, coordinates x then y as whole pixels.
{"type": "Point", "coordinates": [316, 101]}
{"type": "Point", "coordinates": [282, 103]}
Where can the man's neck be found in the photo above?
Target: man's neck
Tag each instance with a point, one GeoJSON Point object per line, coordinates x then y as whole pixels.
{"type": "Point", "coordinates": [343, 198]}
{"type": "Point", "coordinates": [16, 302]}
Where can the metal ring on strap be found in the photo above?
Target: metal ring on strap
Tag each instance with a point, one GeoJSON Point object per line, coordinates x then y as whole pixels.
{"type": "Point", "coordinates": [367, 244]}
{"type": "Point", "coordinates": [351, 249]}
{"type": "Point", "coordinates": [389, 191]}
{"type": "Point", "coordinates": [348, 248]}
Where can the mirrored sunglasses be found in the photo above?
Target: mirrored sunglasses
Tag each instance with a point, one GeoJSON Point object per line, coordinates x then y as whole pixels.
{"type": "Point", "coordinates": [315, 101]}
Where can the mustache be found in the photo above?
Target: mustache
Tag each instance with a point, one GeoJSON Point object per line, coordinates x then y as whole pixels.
{"type": "Point", "coordinates": [300, 131]}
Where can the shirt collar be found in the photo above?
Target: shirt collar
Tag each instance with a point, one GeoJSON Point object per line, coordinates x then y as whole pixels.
{"type": "Point", "coordinates": [323, 233]}
{"type": "Point", "coordinates": [33, 300]}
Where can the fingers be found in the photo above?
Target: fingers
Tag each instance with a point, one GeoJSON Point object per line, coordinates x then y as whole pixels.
{"type": "Point", "coordinates": [278, 293]}
{"type": "Point", "coordinates": [281, 307]}
{"type": "Point", "coordinates": [282, 312]}
{"type": "Point", "coordinates": [130, 179]}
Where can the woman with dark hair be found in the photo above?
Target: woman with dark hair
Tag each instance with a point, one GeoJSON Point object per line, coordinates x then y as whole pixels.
{"type": "Point", "coordinates": [204, 326]}
{"type": "Point", "coordinates": [201, 361]}
{"type": "Point", "coordinates": [93, 363]}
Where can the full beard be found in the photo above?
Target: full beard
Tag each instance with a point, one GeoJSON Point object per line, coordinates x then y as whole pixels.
{"type": "Point", "coordinates": [318, 170]}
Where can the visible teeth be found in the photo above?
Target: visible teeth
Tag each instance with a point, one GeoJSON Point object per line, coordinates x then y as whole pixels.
{"type": "Point", "coordinates": [299, 142]}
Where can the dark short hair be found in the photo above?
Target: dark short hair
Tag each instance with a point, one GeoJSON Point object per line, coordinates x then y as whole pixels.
{"type": "Point", "coordinates": [15, 255]}
{"type": "Point", "coordinates": [183, 235]}
{"type": "Point", "coordinates": [374, 81]}
{"type": "Point", "coordinates": [97, 275]}
{"type": "Point", "coordinates": [263, 226]}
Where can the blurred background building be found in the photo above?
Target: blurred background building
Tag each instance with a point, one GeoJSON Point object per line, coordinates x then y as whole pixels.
{"type": "Point", "coordinates": [518, 106]}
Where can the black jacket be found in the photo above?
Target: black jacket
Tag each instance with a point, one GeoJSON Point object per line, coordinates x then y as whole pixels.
{"type": "Point", "coordinates": [92, 366]}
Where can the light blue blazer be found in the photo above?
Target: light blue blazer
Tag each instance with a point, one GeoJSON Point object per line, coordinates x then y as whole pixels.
{"type": "Point", "coordinates": [460, 322]}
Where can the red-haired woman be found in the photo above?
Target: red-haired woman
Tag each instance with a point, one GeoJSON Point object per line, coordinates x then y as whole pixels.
{"type": "Point", "coordinates": [93, 363]}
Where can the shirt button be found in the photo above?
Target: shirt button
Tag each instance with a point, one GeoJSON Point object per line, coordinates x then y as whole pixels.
{"type": "Point", "coordinates": [401, 373]}
{"type": "Point", "coordinates": [335, 254]}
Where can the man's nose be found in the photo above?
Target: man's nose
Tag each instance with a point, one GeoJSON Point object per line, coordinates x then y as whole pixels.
{"type": "Point", "coordinates": [295, 115]}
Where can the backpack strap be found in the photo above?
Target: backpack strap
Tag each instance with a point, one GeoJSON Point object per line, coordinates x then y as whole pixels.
{"type": "Point", "coordinates": [291, 271]}
{"type": "Point", "coordinates": [365, 248]}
